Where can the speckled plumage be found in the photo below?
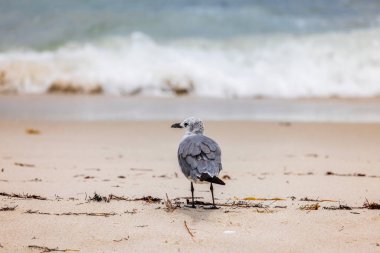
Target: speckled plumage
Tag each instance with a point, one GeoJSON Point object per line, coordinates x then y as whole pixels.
{"type": "Point", "coordinates": [198, 153]}
{"type": "Point", "coordinates": [199, 157]}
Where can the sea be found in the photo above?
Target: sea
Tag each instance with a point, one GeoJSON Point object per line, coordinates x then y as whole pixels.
{"type": "Point", "coordinates": [199, 48]}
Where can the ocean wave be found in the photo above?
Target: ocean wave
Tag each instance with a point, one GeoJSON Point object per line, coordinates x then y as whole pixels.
{"type": "Point", "coordinates": [345, 64]}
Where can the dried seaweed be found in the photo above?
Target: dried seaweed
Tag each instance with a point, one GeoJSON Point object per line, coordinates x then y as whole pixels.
{"type": "Point", "coordinates": [8, 208]}
{"type": "Point", "coordinates": [71, 213]}
{"type": "Point", "coordinates": [264, 199]}
{"type": "Point", "coordinates": [134, 211]}
{"type": "Point", "coordinates": [23, 196]}
{"type": "Point", "coordinates": [310, 207]}
{"type": "Point", "coordinates": [88, 214]}
{"type": "Point", "coordinates": [239, 203]}
{"type": "Point", "coordinates": [98, 198]}
{"type": "Point", "coordinates": [265, 210]}
{"type": "Point", "coordinates": [47, 249]}
{"type": "Point", "coordinates": [340, 207]}
{"type": "Point", "coordinates": [68, 87]}
{"type": "Point", "coordinates": [118, 198]}
{"type": "Point", "coordinates": [37, 212]}
{"type": "Point", "coordinates": [308, 199]}
{"type": "Point", "coordinates": [371, 205]}
{"type": "Point", "coordinates": [317, 200]}
{"type": "Point", "coordinates": [330, 173]}
{"type": "Point", "coordinates": [148, 199]}
{"type": "Point", "coordinates": [169, 206]}
{"type": "Point", "coordinates": [122, 239]}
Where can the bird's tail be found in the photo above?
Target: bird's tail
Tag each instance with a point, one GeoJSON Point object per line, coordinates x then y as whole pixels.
{"type": "Point", "coordinates": [206, 177]}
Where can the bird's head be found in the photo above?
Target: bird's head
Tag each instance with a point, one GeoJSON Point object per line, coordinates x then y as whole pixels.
{"type": "Point", "coordinates": [193, 125]}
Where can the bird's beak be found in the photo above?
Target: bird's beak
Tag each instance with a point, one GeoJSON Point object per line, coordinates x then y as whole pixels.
{"type": "Point", "coordinates": [177, 125]}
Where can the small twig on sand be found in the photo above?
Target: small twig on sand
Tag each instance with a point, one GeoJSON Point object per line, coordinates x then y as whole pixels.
{"type": "Point", "coordinates": [8, 208]}
{"type": "Point", "coordinates": [280, 207]}
{"type": "Point", "coordinates": [24, 165]}
{"type": "Point", "coordinates": [46, 249]}
{"type": "Point", "coordinates": [24, 196]}
{"type": "Point", "coordinates": [188, 230]}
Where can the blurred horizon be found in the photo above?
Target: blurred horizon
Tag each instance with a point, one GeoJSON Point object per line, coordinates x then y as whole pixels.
{"type": "Point", "coordinates": [213, 48]}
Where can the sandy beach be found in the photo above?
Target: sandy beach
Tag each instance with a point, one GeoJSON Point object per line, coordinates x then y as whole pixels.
{"type": "Point", "coordinates": [275, 173]}
{"type": "Point", "coordinates": [89, 90]}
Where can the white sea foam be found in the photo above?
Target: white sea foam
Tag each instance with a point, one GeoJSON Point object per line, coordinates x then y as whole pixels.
{"type": "Point", "coordinates": [330, 64]}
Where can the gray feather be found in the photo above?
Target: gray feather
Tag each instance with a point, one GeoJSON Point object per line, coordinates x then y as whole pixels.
{"type": "Point", "coordinates": [205, 149]}
{"type": "Point", "coordinates": [199, 154]}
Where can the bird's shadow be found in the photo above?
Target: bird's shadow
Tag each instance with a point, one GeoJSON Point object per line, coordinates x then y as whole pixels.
{"type": "Point", "coordinates": [199, 213]}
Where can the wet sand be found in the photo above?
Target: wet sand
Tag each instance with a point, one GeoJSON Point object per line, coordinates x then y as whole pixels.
{"type": "Point", "coordinates": [280, 164]}
{"type": "Point", "coordinates": [123, 108]}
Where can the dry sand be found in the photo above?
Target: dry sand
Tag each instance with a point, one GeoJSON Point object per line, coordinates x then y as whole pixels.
{"type": "Point", "coordinates": [68, 162]}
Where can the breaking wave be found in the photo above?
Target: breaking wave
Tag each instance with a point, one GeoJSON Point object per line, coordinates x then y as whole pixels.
{"type": "Point", "coordinates": [344, 64]}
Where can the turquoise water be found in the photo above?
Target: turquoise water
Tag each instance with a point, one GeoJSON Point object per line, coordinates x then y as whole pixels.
{"type": "Point", "coordinates": [45, 24]}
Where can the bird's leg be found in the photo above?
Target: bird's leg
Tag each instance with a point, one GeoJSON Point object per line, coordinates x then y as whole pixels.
{"type": "Point", "coordinates": [212, 194]}
{"type": "Point", "coordinates": [192, 197]}
{"type": "Point", "coordinates": [213, 201]}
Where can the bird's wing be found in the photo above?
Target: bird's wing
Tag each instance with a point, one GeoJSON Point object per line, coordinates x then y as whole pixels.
{"type": "Point", "coordinates": [199, 154]}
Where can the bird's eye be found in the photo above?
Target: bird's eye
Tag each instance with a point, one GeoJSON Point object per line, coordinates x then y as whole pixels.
{"type": "Point", "coordinates": [186, 124]}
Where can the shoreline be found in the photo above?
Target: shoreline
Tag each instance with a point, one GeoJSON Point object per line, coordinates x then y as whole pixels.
{"type": "Point", "coordinates": [114, 108]}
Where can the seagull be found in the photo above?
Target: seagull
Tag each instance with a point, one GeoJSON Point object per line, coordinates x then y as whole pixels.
{"type": "Point", "coordinates": [199, 156]}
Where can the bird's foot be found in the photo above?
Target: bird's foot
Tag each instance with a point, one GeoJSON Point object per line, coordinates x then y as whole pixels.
{"type": "Point", "coordinates": [211, 207]}
{"type": "Point", "coordinates": [190, 206]}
